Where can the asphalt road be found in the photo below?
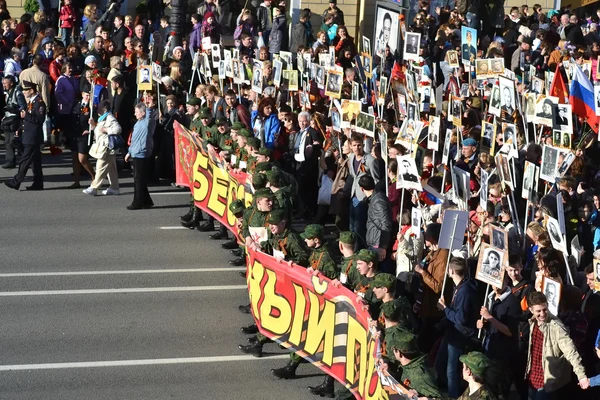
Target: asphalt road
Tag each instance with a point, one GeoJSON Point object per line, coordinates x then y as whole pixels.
{"type": "Point", "coordinates": [98, 302]}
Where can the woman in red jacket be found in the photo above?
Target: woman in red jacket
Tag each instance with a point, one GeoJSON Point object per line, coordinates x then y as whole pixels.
{"type": "Point", "coordinates": [67, 16]}
{"type": "Point", "coordinates": [60, 56]}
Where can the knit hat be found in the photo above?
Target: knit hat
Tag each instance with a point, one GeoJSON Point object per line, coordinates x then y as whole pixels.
{"type": "Point", "coordinates": [89, 59]}
{"type": "Point", "coordinates": [208, 15]}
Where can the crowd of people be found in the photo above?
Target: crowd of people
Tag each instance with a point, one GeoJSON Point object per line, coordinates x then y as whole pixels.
{"type": "Point", "coordinates": [370, 146]}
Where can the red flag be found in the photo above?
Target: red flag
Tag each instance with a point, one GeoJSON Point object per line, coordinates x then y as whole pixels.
{"type": "Point", "coordinates": [101, 81]}
{"type": "Point", "coordinates": [396, 71]}
{"type": "Point", "coordinates": [558, 88]}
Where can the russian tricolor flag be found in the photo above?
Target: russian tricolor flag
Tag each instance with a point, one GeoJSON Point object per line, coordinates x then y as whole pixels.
{"type": "Point", "coordinates": [581, 98]}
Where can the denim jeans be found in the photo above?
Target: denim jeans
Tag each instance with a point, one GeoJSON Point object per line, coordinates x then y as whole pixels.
{"type": "Point", "coordinates": [541, 394]}
{"type": "Point", "coordinates": [448, 367]}
{"type": "Point", "coordinates": [358, 221]}
{"type": "Point", "coordinates": [66, 35]}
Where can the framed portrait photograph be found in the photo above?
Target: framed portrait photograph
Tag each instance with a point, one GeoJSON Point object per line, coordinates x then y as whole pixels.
{"type": "Point", "coordinates": [227, 61]}
{"type": "Point", "coordinates": [408, 174]}
{"type": "Point", "coordinates": [469, 45]}
{"type": "Point", "coordinates": [325, 60]}
{"type": "Point", "coordinates": [564, 161]}
{"type": "Point", "coordinates": [277, 70]}
{"type": "Point", "coordinates": [383, 87]}
{"type": "Point", "coordinates": [320, 77]}
{"type": "Point", "coordinates": [563, 120]}
{"type": "Point", "coordinates": [425, 97]}
{"type": "Point", "coordinates": [497, 66]}
{"type": "Point", "coordinates": [333, 87]}
{"type": "Point", "coordinates": [529, 106]}
{"type": "Point", "coordinates": [236, 70]}
{"type": "Point", "coordinates": [355, 91]}
{"type": "Point", "coordinates": [144, 77]}
{"type": "Point", "coordinates": [503, 168]}
{"type": "Point", "coordinates": [215, 53]}
{"type": "Point", "coordinates": [412, 45]}
{"type": "Point", "coordinates": [367, 63]}
{"type": "Point", "coordinates": [365, 123]}
{"type": "Point", "coordinates": [498, 237]}
{"type": "Point", "coordinates": [462, 191]}
{"type": "Point", "coordinates": [555, 233]}
{"type": "Point", "coordinates": [482, 68]}
{"type": "Point", "coordinates": [336, 120]}
{"type": "Point", "coordinates": [490, 266]}
{"type": "Point", "coordinates": [484, 189]}
{"type": "Point", "coordinates": [433, 133]}
{"type": "Point", "coordinates": [507, 96]}
{"type": "Point", "coordinates": [447, 145]}
{"type": "Point", "coordinates": [544, 110]}
{"type": "Point", "coordinates": [596, 274]}
{"type": "Point", "coordinates": [530, 179]}
{"type": "Point", "coordinates": [552, 289]}
{"type": "Point", "coordinates": [415, 219]}
{"type": "Point", "coordinates": [488, 136]}
{"type": "Point", "coordinates": [286, 58]}
{"type": "Point", "coordinates": [350, 110]}
{"type": "Point", "coordinates": [257, 79]}
{"type": "Point", "coordinates": [495, 102]}
{"type": "Point", "coordinates": [402, 105]}
{"type": "Point", "coordinates": [366, 46]}
{"type": "Point", "coordinates": [222, 71]}
{"type": "Point", "coordinates": [387, 29]}
{"type": "Point", "coordinates": [290, 78]}
{"type": "Point", "coordinates": [537, 86]}
{"type": "Point", "coordinates": [452, 58]}
{"type": "Point", "coordinates": [549, 163]}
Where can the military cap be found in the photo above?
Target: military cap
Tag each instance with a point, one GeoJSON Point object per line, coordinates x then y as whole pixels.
{"type": "Point", "coordinates": [276, 216]}
{"type": "Point", "coordinates": [313, 231]}
{"type": "Point", "coordinates": [477, 362]}
{"type": "Point", "coordinates": [404, 342]}
{"type": "Point", "coordinates": [389, 308]}
{"type": "Point", "coordinates": [260, 193]}
{"type": "Point", "coordinates": [367, 256]}
{"type": "Point", "coordinates": [347, 237]}
{"type": "Point", "coordinates": [385, 280]}
{"type": "Point", "coordinates": [263, 166]}
{"type": "Point", "coordinates": [273, 177]}
{"type": "Point", "coordinates": [265, 151]}
{"type": "Point", "coordinates": [244, 132]}
{"type": "Point", "coordinates": [205, 112]}
{"type": "Point", "coordinates": [221, 121]}
{"type": "Point", "coordinates": [26, 85]}
{"type": "Point", "coordinates": [259, 180]}
{"type": "Point", "coordinates": [237, 125]}
{"type": "Point", "coordinates": [254, 142]}
{"type": "Point", "coordinates": [237, 207]}
{"type": "Point", "coordinates": [194, 101]}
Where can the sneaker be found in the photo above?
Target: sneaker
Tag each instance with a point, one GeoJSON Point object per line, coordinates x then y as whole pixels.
{"type": "Point", "coordinates": [109, 192]}
{"type": "Point", "coordinates": [91, 191]}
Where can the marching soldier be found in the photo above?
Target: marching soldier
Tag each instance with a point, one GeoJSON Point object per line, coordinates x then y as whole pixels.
{"type": "Point", "coordinates": [32, 139]}
{"type": "Point", "coordinates": [283, 195]}
{"type": "Point", "coordinates": [384, 288]}
{"type": "Point", "coordinates": [194, 216]}
{"type": "Point", "coordinates": [283, 244]}
{"type": "Point", "coordinates": [193, 108]}
{"type": "Point", "coordinates": [415, 373]}
{"type": "Point", "coordinates": [237, 209]}
{"type": "Point", "coordinates": [320, 259]}
{"type": "Point", "coordinates": [475, 365]}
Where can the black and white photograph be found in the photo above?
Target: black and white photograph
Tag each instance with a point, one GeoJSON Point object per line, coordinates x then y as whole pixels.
{"type": "Point", "coordinates": [425, 96]}
{"type": "Point", "coordinates": [277, 70]}
{"type": "Point", "coordinates": [497, 66]}
{"type": "Point", "coordinates": [408, 174]}
{"type": "Point", "coordinates": [365, 123]}
{"type": "Point", "coordinates": [447, 144]}
{"type": "Point", "coordinates": [498, 237]}
{"type": "Point", "coordinates": [206, 62]}
{"type": "Point", "coordinates": [549, 163]}
{"type": "Point", "coordinates": [586, 68]}
{"type": "Point", "coordinates": [490, 266]}
{"type": "Point", "coordinates": [386, 30]}
{"type": "Point", "coordinates": [367, 62]}
{"type": "Point", "coordinates": [503, 168]}
{"type": "Point", "coordinates": [482, 68]}
{"type": "Point", "coordinates": [507, 96]}
{"type": "Point", "coordinates": [530, 178]}
{"type": "Point", "coordinates": [333, 88]}
{"type": "Point", "coordinates": [537, 86]}
{"type": "Point", "coordinates": [555, 233]}
{"type": "Point", "coordinates": [416, 217]}
{"type": "Point", "coordinates": [509, 132]}
{"type": "Point", "coordinates": [215, 53]}
{"type": "Point", "coordinates": [484, 188]}
{"type": "Point", "coordinates": [320, 79]}
{"type": "Point", "coordinates": [383, 86]}
{"type": "Point", "coordinates": [145, 77]}
{"type": "Point", "coordinates": [290, 79]}
{"type": "Point", "coordinates": [355, 91]}
{"type": "Point", "coordinates": [597, 275]}
{"type": "Point", "coordinates": [222, 70]}
{"type": "Point", "coordinates": [452, 58]}
{"type": "Point", "coordinates": [462, 190]}
{"type": "Point", "coordinates": [567, 160]}
{"type": "Point", "coordinates": [257, 80]}
{"type": "Point", "coordinates": [544, 110]}
{"type": "Point", "coordinates": [366, 45]}
{"type": "Point", "coordinates": [402, 110]}
{"type": "Point", "coordinates": [488, 136]}
{"type": "Point", "coordinates": [236, 71]}
{"type": "Point", "coordinates": [495, 101]}
{"type": "Point", "coordinates": [563, 118]}
{"type": "Point", "coordinates": [325, 60]}
{"type": "Point", "coordinates": [433, 134]}
{"type": "Point", "coordinates": [227, 59]}
{"type": "Point", "coordinates": [456, 111]}
{"type": "Point", "coordinates": [336, 120]}
{"type": "Point", "coordinates": [552, 289]}
{"type": "Point", "coordinates": [286, 59]}
{"type": "Point", "coordinates": [529, 99]}
{"type": "Point", "coordinates": [412, 44]}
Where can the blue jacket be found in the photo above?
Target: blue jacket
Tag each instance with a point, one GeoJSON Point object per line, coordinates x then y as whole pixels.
{"type": "Point", "coordinates": [141, 141]}
{"type": "Point", "coordinates": [271, 126]}
{"type": "Point", "coordinates": [463, 312]}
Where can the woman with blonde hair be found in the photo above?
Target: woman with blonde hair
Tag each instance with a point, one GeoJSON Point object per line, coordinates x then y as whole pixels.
{"type": "Point", "coordinates": [93, 22]}
{"type": "Point", "coordinates": [176, 75]}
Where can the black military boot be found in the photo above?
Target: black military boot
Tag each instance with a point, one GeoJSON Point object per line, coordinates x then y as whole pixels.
{"type": "Point", "coordinates": [287, 372]}
{"type": "Point", "coordinates": [188, 217]}
{"type": "Point", "coordinates": [237, 252]}
{"type": "Point", "coordinates": [230, 245]}
{"type": "Point", "coordinates": [325, 389]}
{"type": "Point", "coordinates": [255, 349]}
{"type": "Point", "coordinates": [196, 218]}
{"type": "Point", "coordinates": [244, 309]}
{"type": "Point", "coordinates": [250, 330]}
{"type": "Point", "coordinates": [238, 262]}
{"type": "Point", "coordinates": [208, 226]}
{"type": "Point", "coordinates": [220, 235]}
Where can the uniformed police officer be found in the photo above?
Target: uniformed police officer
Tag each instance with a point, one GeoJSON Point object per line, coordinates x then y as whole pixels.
{"type": "Point", "coordinates": [32, 138]}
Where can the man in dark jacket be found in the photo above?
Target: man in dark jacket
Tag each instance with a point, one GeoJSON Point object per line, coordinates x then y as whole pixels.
{"type": "Point", "coordinates": [121, 103]}
{"type": "Point", "coordinates": [33, 137]}
{"type": "Point", "coordinates": [459, 324]}
{"type": "Point", "coordinates": [11, 123]}
{"type": "Point", "coordinates": [264, 20]}
{"type": "Point", "coordinates": [302, 32]}
{"type": "Point", "coordinates": [339, 14]}
{"type": "Point", "coordinates": [119, 33]}
{"type": "Point", "coordinates": [379, 219]}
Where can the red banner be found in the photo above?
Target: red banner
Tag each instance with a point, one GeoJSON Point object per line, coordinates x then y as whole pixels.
{"type": "Point", "coordinates": [319, 321]}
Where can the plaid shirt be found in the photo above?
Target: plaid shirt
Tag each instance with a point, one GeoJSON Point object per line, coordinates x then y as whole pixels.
{"type": "Point", "coordinates": [536, 374]}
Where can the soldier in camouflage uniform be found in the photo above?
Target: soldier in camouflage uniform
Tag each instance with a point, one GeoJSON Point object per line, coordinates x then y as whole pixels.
{"type": "Point", "coordinates": [384, 288]}
{"type": "Point", "coordinates": [237, 209]}
{"type": "Point", "coordinates": [225, 144]}
{"type": "Point", "coordinates": [193, 108]}
{"type": "Point", "coordinates": [283, 195]}
{"type": "Point", "coordinates": [283, 244]}
{"type": "Point", "coordinates": [194, 216]}
{"type": "Point", "coordinates": [208, 130]}
{"type": "Point", "coordinates": [475, 365]}
{"type": "Point", "coordinates": [415, 374]}
{"type": "Point", "coordinates": [239, 158]}
{"type": "Point", "coordinates": [252, 148]}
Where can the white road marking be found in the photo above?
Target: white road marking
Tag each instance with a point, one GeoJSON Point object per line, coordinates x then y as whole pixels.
{"type": "Point", "coordinates": [168, 193]}
{"type": "Point", "coordinates": [122, 290]}
{"type": "Point", "coordinates": [122, 272]}
{"type": "Point", "coordinates": [172, 228]}
{"type": "Point", "coordinates": [130, 363]}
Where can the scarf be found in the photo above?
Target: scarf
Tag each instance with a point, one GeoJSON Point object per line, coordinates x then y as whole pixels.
{"type": "Point", "coordinates": [103, 116]}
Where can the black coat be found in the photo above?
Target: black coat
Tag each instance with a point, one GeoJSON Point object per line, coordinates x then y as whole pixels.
{"type": "Point", "coordinates": [35, 114]}
{"type": "Point", "coordinates": [119, 38]}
